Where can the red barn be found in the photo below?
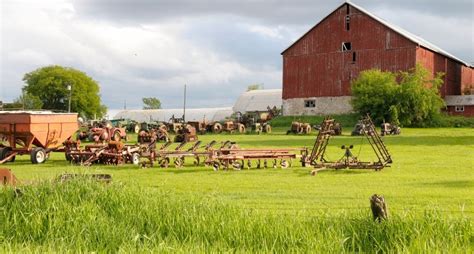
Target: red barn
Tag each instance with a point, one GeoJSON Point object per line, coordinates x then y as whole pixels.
{"type": "Point", "coordinates": [318, 67]}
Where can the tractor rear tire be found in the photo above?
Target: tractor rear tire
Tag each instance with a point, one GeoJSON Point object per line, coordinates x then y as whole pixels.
{"type": "Point", "coordinates": [307, 129]}
{"type": "Point", "coordinates": [136, 128]}
{"type": "Point", "coordinates": [38, 155]}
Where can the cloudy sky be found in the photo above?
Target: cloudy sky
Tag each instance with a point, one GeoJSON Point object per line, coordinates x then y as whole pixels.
{"type": "Point", "coordinates": [139, 48]}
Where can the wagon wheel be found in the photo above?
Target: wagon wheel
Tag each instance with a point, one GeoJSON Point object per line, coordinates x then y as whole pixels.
{"type": "Point", "coordinates": [268, 128]}
{"type": "Point", "coordinates": [241, 128]}
{"type": "Point", "coordinates": [179, 162]}
{"type": "Point", "coordinates": [196, 161]}
{"type": "Point", "coordinates": [116, 136]}
{"type": "Point", "coordinates": [284, 163]}
{"type": "Point", "coordinates": [165, 162]}
{"type": "Point", "coordinates": [38, 155]}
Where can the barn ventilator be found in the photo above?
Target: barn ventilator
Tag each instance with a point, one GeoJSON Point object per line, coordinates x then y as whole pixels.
{"type": "Point", "coordinates": [317, 158]}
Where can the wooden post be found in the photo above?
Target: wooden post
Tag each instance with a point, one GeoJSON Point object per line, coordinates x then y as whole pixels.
{"type": "Point", "coordinates": [379, 208]}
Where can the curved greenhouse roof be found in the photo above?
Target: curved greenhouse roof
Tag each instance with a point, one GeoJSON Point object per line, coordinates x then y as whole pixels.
{"type": "Point", "coordinates": [192, 114]}
{"type": "Point", "coordinates": [258, 100]}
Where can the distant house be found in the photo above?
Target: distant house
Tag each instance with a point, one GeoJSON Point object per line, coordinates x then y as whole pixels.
{"type": "Point", "coordinates": [319, 66]}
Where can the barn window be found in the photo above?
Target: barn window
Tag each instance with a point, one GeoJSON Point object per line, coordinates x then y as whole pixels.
{"type": "Point", "coordinates": [346, 46]}
{"type": "Point", "coordinates": [348, 23]}
{"type": "Point", "coordinates": [459, 109]}
{"type": "Point", "coordinates": [354, 57]}
{"type": "Point", "coordinates": [309, 103]}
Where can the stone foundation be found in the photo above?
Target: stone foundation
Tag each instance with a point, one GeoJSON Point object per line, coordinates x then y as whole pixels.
{"type": "Point", "coordinates": [323, 106]}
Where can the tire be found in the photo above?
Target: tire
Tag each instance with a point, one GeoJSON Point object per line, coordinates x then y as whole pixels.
{"type": "Point", "coordinates": [116, 136]}
{"type": "Point", "coordinates": [241, 128]}
{"type": "Point", "coordinates": [4, 153]}
{"type": "Point", "coordinates": [136, 158]}
{"type": "Point", "coordinates": [268, 129]}
{"type": "Point", "coordinates": [136, 128]}
{"type": "Point", "coordinates": [38, 155]}
{"type": "Point", "coordinates": [307, 129]}
{"type": "Point", "coordinates": [217, 128]}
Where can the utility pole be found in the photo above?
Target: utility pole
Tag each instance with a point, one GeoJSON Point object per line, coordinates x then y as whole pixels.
{"type": "Point", "coordinates": [184, 106]}
{"type": "Point", "coordinates": [69, 87]}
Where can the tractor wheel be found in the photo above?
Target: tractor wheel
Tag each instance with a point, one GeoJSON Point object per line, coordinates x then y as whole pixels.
{"type": "Point", "coordinates": [307, 129]}
{"type": "Point", "coordinates": [136, 128]}
{"type": "Point", "coordinates": [136, 158]}
{"type": "Point", "coordinates": [217, 128]}
{"type": "Point", "coordinates": [241, 128]}
{"type": "Point", "coordinates": [268, 128]}
{"type": "Point", "coordinates": [38, 155]}
{"type": "Point", "coordinates": [116, 136]}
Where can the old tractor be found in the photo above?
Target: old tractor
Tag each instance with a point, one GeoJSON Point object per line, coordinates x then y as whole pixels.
{"type": "Point", "coordinates": [390, 129]}
{"type": "Point", "coordinates": [186, 134]}
{"type": "Point", "coordinates": [258, 121]}
{"type": "Point", "coordinates": [336, 129]}
{"type": "Point", "coordinates": [299, 128]}
{"type": "Point", "coordinates": [104, 131]}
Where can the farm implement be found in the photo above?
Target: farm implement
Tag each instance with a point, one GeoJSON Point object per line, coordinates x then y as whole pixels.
{"type": "Point", "coordinates": [317, 157]}
{"type": "Point", "coordinates": [34, 133]}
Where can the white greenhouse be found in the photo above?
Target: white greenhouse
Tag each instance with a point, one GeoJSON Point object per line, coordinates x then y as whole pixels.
{"type": "Point", "coordinates": [192, 114]}
{"type": "Point", "coordinates": [258, 100]}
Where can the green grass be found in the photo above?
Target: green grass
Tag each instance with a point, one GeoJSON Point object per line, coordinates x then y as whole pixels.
{"type": "Point", "coordinates": [429, 191]}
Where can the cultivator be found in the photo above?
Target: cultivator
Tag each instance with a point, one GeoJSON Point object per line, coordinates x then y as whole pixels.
{"type": "Point", "coordinates": [318, 160]}
{"type": "Point", "coordinates": [112, 153]}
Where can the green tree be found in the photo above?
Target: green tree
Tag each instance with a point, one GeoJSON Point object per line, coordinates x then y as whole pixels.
{"type": "Point", "coordinates": [29, 101]}
{"type": "Point", "coordinates": [408, 98]}
{"type": "Point", "coordinates": [50, 85]}
{"type": "Point", "coordinates": [151, 103]}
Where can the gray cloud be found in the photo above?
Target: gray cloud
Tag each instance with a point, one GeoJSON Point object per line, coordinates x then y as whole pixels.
{"type": "Point", "coordinates": [144, 48]}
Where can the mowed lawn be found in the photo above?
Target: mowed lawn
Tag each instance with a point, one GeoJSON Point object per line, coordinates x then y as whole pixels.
{"type": "Point", "coordinates": [433, 169]}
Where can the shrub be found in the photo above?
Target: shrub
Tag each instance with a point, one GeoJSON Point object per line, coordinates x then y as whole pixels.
{"type": "Point", "coordinates": [407, 98]}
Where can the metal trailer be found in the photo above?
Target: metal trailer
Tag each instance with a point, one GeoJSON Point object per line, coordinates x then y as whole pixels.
{"type": "Point", "coordinates": [34, 133]}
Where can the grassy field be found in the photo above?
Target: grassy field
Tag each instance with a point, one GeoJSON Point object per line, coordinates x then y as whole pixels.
{"type": "Point", "coordinates": [429, 190]}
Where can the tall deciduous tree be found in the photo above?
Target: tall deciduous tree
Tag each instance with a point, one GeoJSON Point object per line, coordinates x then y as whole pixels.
{"type": "Point", "coordinates": [410, 98]}
{"type": "Point", "coordinates": [50, 85]}
{"type": "Point", "coordinates": [151, 103]}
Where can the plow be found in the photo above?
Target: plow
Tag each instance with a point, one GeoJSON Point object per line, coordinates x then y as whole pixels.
{"type": "Point", "coordinates": [228, 155]}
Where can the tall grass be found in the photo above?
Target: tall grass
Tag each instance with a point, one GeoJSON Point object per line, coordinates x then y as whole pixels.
{"type": "Point", "coordinates": [82, 216]}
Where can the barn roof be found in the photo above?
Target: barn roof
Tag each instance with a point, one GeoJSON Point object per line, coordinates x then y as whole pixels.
{"type": "Point", "coordinates": [192, 114]}
{"type": "Point", "coordinates": [414, 38]}
{"type": "Point", "coordinates": [258, 100]}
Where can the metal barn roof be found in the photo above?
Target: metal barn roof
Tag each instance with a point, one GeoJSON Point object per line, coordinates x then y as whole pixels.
{"type": "Point", "coordinates": [414, 38]}
{"type": "Point", "coordinates": [192, 114]}
{"type": "Point", "coordinates": [258, 100]}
